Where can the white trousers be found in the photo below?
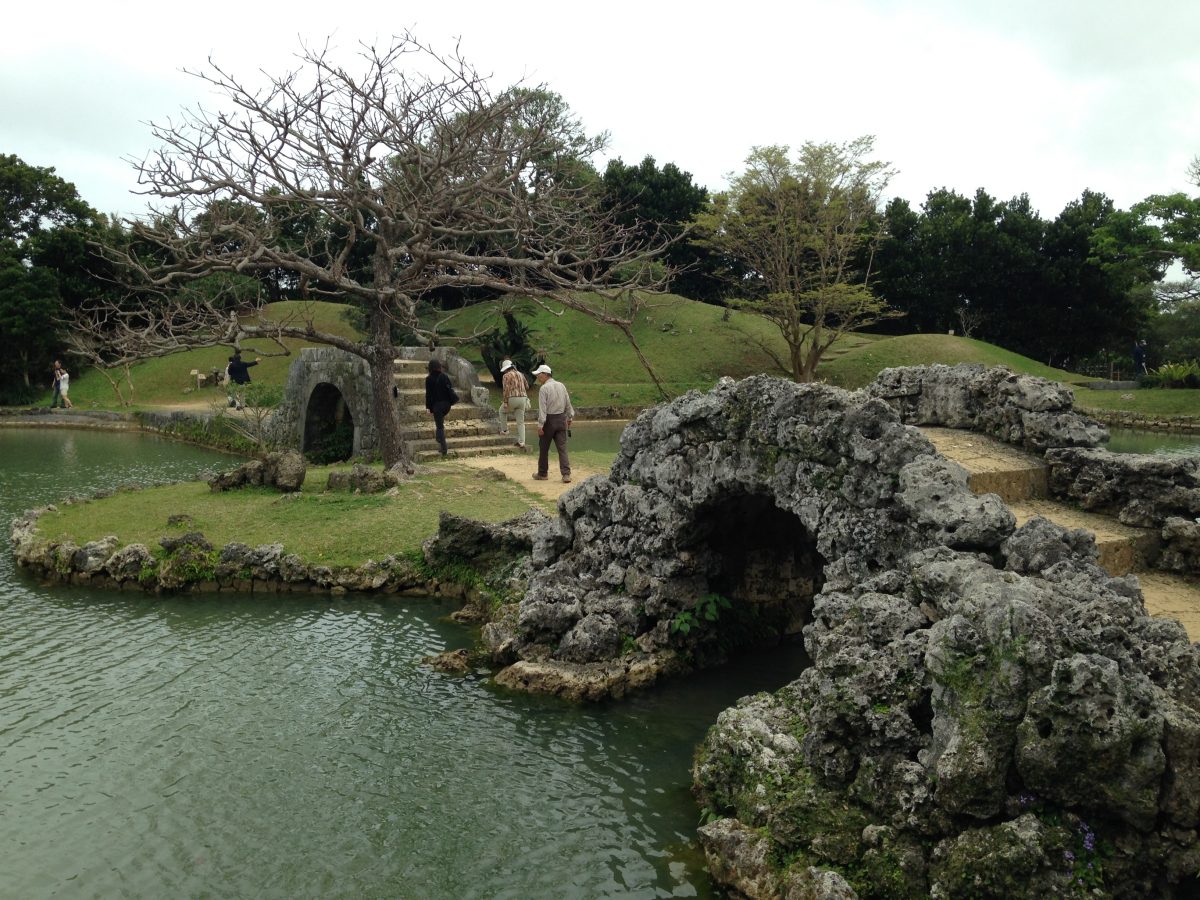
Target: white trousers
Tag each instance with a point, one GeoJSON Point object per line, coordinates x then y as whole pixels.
{"type": "Point", "coordinates": [516, 408]}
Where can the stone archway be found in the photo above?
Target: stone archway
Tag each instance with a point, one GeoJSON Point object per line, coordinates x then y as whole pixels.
{"type": "Point", "coordinates": [330, 434]}
{"type": "Point", "coordinates": [762, 562]}
{"type": "Point", "coordinates": [325, 387]}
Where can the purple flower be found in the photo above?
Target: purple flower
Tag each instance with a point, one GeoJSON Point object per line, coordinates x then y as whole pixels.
{"type": "Point", "coordinates": [1068, 856]}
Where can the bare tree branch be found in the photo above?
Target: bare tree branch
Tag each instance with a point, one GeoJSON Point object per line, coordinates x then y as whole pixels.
{"type": "Point", "coordinates": [375, 188]}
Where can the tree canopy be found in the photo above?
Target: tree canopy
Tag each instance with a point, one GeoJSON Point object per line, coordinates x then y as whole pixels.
{"type": "Point", "coordinates": [655, 201]}
{"type": "Point", "coordinates": [805, 231]}
{"type": "Point", "coordinates": [44, 265]}
{"type": "Point", "coordinates": [1054, 290]}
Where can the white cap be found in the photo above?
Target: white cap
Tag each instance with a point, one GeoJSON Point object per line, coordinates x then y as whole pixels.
{"type": "Point", "coordinates": [543, 369]}
{"type": "Point", "coordinates": [506, 365]}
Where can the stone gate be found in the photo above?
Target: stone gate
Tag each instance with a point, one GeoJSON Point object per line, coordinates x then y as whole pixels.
{"type": "Point", "coordinates": [329, 391]}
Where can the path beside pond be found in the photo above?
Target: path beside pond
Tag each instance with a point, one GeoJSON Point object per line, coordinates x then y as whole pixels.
{"type": "Point", "coordinates": [519, 467]}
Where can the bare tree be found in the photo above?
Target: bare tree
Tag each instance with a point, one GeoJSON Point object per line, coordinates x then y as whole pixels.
{"type": "Point", "coordinates": [373, 188]}
{"type": "Point", "coordinates": [806, 232]}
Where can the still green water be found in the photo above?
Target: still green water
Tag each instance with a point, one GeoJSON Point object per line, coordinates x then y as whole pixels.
{"type": "Point", "coordinates": [215, 746]}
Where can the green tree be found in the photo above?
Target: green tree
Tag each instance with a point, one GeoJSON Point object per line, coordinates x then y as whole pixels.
{"type": "Point", "coordinates": [806, 231]}
{"type": "Point", "coordinates": [377, 188]}
{"type": "Point", "coordinates": [1056, 291]}
{"type": "Point", "coordinates": [44, 263]}
{"type": "Point", "coordinates": [666, 200]}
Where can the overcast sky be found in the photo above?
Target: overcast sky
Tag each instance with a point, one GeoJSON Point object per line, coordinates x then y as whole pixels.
{"type": "Point", "coordinates": [1045, 97]}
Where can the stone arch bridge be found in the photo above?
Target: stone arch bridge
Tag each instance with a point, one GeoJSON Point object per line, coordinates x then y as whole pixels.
{"type": "Point", "coordinates": [327, 404]}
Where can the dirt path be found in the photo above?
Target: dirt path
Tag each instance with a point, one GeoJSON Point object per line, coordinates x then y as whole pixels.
{"type": "Point", "coordinates": [519, 467]}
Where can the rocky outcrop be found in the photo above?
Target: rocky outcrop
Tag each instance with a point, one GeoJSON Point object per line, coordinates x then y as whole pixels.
{"type": "Point", "coordinates": [1140, 490]}
{"type": "Point", "coordinates": [283, 470]}
{"type": "Point", "coordinates": [1159, 491]}
{"type": "Point", "coordinates": [1028, 412]}
{"type": "Point", "coordinates": [971, 729]}
{"type": "Point", "coordinates": [723, 516]}
{"type": "Point", "coordinates": [363, 480]}
{"type": "Point", "coordinates": [985, 712]}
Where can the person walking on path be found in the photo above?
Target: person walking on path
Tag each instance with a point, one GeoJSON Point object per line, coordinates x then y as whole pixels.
{"type": "Point", "coordinates": [62, 385]}
{"type": "Point", "coordinates": [555, 413]}
{"type": "Point", "coordinates": [516, 398]}
{"type": "Point", "coordinates": [56, 383]}
{"type": "Point", "coordinates": [439, 397]}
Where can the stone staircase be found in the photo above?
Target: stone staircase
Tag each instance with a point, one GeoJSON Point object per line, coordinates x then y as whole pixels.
{"type": "Point", "coordinates": [1021, 481]}
{"type": "Point", "coordinates": [469, 430]}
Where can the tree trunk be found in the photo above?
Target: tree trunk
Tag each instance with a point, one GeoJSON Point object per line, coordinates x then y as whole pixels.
{"type": "Point", "coordinates": [387, 422]}
{"type": "Point", "coordinates": [796, 351]}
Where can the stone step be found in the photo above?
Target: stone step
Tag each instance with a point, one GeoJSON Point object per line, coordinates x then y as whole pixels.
{"type": "Point", "coordinates": [428, 450]}
{"type": "Point", "coordinates": [413, 414]}
{"type": "Point", "coordinates": [993, 467]}
{"type": "Point", "coordinates": [1173, 597]}
{"type": "Point", "coordinates": [454, 428]}
{"type": "Point", "coordinates": [1021, 481]}
{"type": "Point", "coordinates": [1122, 549]}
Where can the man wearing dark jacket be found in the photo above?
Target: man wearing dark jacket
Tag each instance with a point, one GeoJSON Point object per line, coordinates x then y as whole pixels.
{"type": "Point", "coordinates": [239, 373]}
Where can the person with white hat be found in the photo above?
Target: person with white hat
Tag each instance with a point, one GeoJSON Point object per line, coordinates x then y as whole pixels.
{"type": "Point", "coordinates": [555, 413]}
{"type": "Point", "coordinates": [516, 398]}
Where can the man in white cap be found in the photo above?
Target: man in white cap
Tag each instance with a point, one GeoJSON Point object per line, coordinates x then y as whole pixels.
{"type": "Point", "coordinates": [554, 418]}
{"type": "Point", "coordinates": [516, 398]}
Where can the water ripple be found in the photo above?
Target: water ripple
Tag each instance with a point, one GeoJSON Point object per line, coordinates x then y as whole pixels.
{"type": "Point", "coordinates": [238, 746]}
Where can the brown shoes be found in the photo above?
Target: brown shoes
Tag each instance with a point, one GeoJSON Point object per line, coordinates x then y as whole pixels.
{"type": "Point", "coordinates": [566, 479]}
{"type": "Point", "coordinates": [537, 477]}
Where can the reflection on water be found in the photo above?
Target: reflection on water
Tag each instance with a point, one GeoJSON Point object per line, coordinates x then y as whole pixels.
{"type": "Point", "coordinates": [296, 747]}
{"type": "Point", "coordinates": [604, 437]}
{"type": "Point", "coordinates": [1136, 440]}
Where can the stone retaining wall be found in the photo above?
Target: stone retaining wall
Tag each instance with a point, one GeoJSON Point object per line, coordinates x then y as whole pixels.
{"type": "Point", "coordinates": [187, 562]}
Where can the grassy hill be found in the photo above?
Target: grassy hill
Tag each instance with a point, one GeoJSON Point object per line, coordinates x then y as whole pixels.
{"type": "Point", "coordinates": [690, 345]}
{"type": "Point", "coordinates": [168, 381]}
{"type": "Point", "coordinates": [856, 365]}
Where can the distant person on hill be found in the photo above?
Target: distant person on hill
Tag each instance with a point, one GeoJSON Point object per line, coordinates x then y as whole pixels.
{"type": "Point", "coordinates": [516, 398]}
{"type": "Point", "coordinates": [1139, 357]}
{"type": "Point", "coordinates": [62, 384]}
{"type": "Point", "coordinates": [238, 372]}
{"type": "Point", "coordinates": [439, 397]}
{"type": "Point", "coordinates": [56, 383]}
{"type": "Point", "coordinates": [555, 413]}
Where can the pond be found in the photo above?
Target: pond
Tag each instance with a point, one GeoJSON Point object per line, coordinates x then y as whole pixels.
{"type": "Point", "coordinates": [250, 747]}
{"type": "Point", "coordinates": [1137, 440]}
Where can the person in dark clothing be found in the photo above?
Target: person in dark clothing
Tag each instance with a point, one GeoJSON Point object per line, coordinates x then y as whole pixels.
{"type": "Point", "coordinates": [239, 370]}
{"type": "Point", "coordinates": [439, 397]}
{"type": "Point", "coordinates": [239, 373]}
{"type": "Point", "coordinates": [1139, 358]}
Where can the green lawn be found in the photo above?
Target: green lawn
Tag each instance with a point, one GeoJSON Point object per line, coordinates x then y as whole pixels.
{"type": "Point", "coordinates": [167, 380]}
{"type": "Point", "coordinates": [689, 344]}
{"type": "Point", "coordinates": [335, 529]}
{"type": "Point", "coordinates": [1151, 403]}
{"type": "Point", "coordinates": [859, 364]}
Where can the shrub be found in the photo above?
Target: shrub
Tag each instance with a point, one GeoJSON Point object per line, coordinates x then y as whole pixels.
{"type": "Point", "coordinates": [1174, 375]}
